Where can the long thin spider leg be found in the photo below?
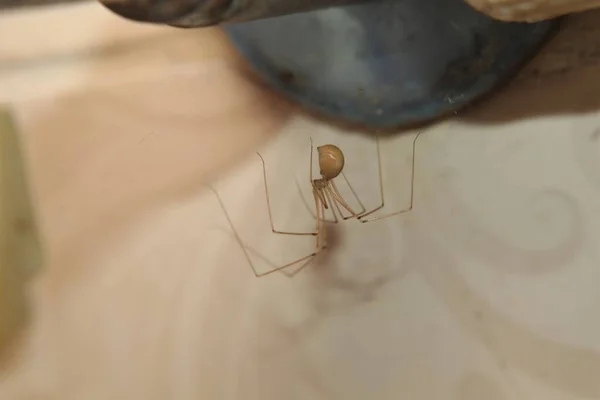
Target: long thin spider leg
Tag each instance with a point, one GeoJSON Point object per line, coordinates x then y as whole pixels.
{"type": "Point", "coordinates": [269, 206]}
{"type": "Point", "coordinates": [235, 233]}
{"type": "Point", "coordinates": [321, 241]}
{"type": "Point", "coordinates": [381, 194]}
{"type": "Point", "coordinates": [362, 206]}
{"type": "Point", "coordinates": [260, 275]}
{"type": "Point", "coordinates": [300, 268]}
{"type": "Point", "coordinates": [245, 250]}
{"type": "Point", "coordinates": [305, 203]}
{"type": "Point", "coordinates": [340, 200]}
{"type": "Point", "coordinates": [323, 225]}
{"type": "Point", "coordinates": [412, 187]}
{"type": "Point", "coordinates": [335, 205]}
{"type": "Point", "coordinates": [320, 211]}
{"type": "Point", "coordinates": [253, 251]}
{"type": "Point", "coordinates": [321, 229]}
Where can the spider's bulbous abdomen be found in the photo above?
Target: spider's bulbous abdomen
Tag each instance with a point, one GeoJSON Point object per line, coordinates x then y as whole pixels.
{"type": "Point", "coordinates": [331, 161]}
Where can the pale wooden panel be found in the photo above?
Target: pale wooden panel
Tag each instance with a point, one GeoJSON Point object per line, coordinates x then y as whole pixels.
{"type": "Point", "coordinates": [488, 289]}
{"type": "Point", "coordinates": [88, 46]}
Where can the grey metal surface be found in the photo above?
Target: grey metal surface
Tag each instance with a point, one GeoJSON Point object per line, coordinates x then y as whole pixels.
{"type": "Point", "coordinates": [387, 63]}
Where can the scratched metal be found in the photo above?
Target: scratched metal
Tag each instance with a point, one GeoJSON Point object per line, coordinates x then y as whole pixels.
{"type": "Point", "coordinates": [388, 63]}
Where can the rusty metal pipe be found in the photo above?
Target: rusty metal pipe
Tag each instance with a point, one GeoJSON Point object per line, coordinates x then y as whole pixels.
{"type": "Point", "coordinates": [201, 13]}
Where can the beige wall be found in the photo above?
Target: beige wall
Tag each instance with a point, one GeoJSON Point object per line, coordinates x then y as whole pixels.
{"type": "Point", "coordinates": [487, 289]}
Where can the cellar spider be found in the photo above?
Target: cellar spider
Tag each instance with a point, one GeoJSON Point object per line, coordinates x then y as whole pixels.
{"type": "Point", "coordinates": [326, 195]}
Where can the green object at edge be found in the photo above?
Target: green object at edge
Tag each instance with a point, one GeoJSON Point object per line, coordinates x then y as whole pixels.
{"type": "Point", "coordinates": [20, 250]}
